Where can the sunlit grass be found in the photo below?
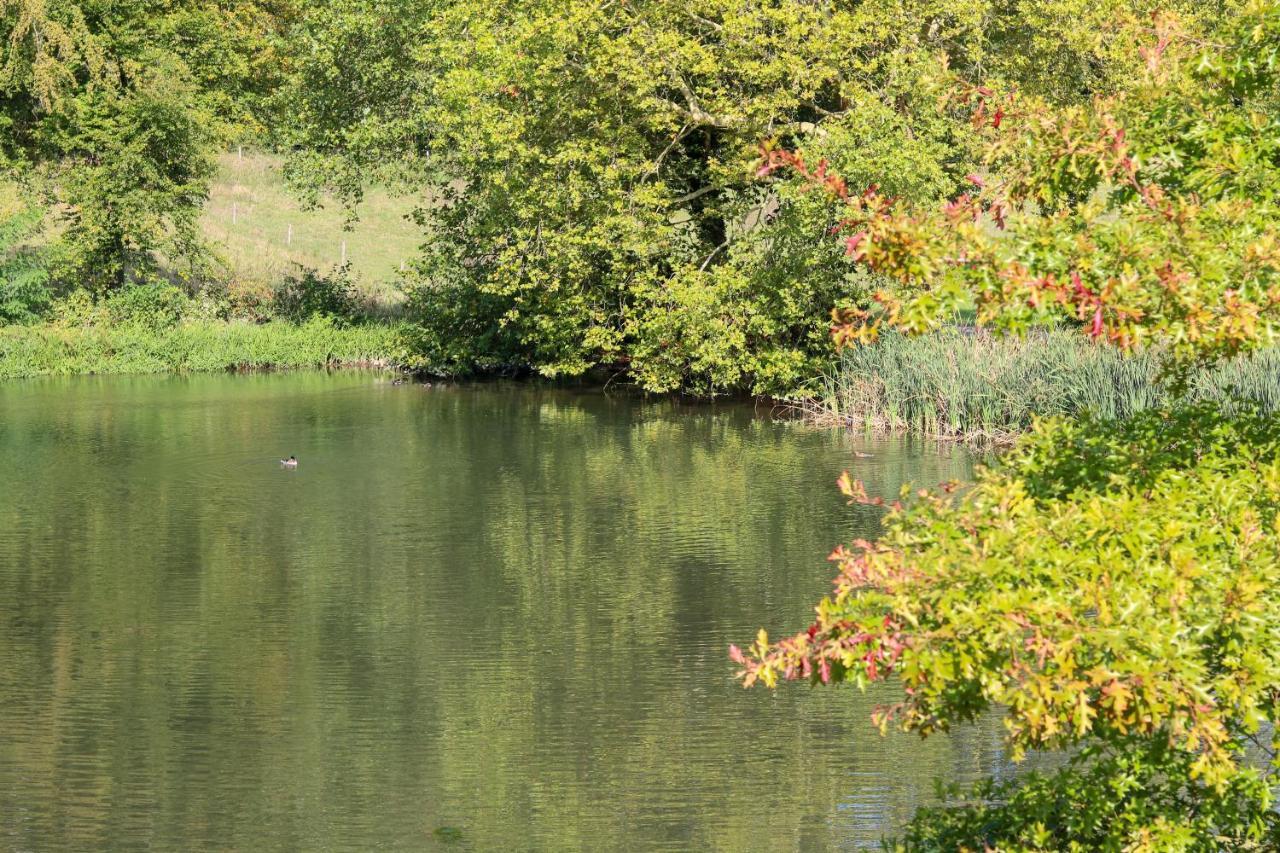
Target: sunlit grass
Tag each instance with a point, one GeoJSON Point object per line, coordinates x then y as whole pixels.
{"type": "Point", "coordinates": [193, 346]}
{"type": "Point", "coordinates": [262, 233]}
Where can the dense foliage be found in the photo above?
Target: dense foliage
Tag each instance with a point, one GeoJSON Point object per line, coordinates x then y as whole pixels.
{"type": "Point", "coordinates": [24, 291]}
{"type": "Point", "coordinates": [594, 161]}
{"type": "Point", "coordinates": [1146, 215]}
{"type": "Point", "coordinates": [1109, 584]}
{"type": "Point", "coordinates": [119, 108]}
{"type": "Point", "coordinates": [1110, 587]}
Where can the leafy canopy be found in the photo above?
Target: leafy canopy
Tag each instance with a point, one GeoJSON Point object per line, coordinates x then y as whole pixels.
{"type": "Point", "coordinates": [594, 161]}
{"type": "Point", "coordinates": [1146, 215]}
{"type": "Point", "coordinates": [117, 108]}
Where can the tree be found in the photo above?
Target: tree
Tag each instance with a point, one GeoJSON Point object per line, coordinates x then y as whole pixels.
{"type": "Point", "coordinates": [1109, 586]}
{"type": "Point", "coordinates": [593, 162]}
{"type": "Point", "coordinates": [120, 107]}
{"type": "Point", "coordinates": [132, 173]}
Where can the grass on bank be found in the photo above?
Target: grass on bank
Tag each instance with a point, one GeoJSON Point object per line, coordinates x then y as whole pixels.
{"type": "Point", "coordinates": [972, 385]}
{"type": "Point", "coordinates": [192, 346]}
{"type": "Point", "coordinates": [280, 298]}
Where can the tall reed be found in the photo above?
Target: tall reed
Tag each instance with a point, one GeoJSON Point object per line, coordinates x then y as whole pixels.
{"type": "Point", "coordinates": [974, 385]}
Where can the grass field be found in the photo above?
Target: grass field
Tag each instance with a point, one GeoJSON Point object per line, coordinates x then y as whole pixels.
{"type": "Point", "coordinates": [263, 234]}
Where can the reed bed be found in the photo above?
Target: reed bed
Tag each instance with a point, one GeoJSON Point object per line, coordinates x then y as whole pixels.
{"type": "Point", "coordinates": [970, 385]}
{"type": "Point", "coordinates": [192, 346]}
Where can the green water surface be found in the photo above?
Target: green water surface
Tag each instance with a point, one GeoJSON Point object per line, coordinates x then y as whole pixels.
{"type": "Point", "coordinates": [481, 618]}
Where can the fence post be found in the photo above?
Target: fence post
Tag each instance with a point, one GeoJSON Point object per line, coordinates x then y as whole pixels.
{"type": "Point", "coordinates": [288, 240]}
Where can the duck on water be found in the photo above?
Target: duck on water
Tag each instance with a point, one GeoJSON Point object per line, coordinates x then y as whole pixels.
{"type": "Point", "coordinates": [291, 462]}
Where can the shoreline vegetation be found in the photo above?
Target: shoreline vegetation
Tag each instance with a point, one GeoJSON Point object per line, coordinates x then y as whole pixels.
{"type": "Point", "coordinates": [282, 287]}
{"type": "Point", "coordinates": [194, 346]}
{"type": "Point", "coordinates": [962, 384]}
{"type": "Point", "coordinates": [970, 385]}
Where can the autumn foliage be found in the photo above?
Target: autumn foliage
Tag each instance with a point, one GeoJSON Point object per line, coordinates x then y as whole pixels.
{"type": "Point", "coordinates": [1109, 588]}
{"type": "Point", "coordinates": [1147, 215]}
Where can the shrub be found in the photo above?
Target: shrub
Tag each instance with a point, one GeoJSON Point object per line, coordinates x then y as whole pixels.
{"type": "Point", "coordinates": [24, 279]}
{"type": "Point", "coordinates": [153, 304]}
{"type": "Point", "coordinates": [78, 308]}
{"type": "Point", "coordinates": [310, 294]}
{"type": "Point", "coordinates": [1110, 586]}
{"type": "Point", "coordinates": [1104, 800]}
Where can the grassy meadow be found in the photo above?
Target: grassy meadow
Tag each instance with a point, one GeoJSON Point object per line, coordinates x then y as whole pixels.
{"type": "Point", "coordinates": [263, 235]}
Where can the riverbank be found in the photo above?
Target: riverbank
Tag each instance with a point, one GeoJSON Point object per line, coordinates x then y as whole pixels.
{"type": "Point", "coordinates": [194, 346]}
{"type": "Point", "coordinates": [975, 386]}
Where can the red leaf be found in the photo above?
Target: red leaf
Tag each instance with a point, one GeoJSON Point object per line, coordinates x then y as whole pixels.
{"type": "Point", "coordinates": [851, 245]}
{"type": "Point", "coordinates": [1080, 289]}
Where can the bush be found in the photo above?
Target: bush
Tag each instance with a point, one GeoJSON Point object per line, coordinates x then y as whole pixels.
{"type": "Point", "coordinates": [153, 304]}
{"type": "Point", "coordinates": [1103, 800]}
{"type": "Point", "coordinates": [78, 308]}
{"type": "Point", "coordinates": [311, 294]}
{"type": "Point", "coordinates": [24, 279]}
{"type": "Point", "coordinates": [1112, 588]}
{"type": "Point", "coordinates": [25, 295]}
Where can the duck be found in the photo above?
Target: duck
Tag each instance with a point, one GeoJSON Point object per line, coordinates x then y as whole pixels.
{"type": "Point", "coordinates": [291, 462]}
{"type": "Point", "coordinates": [859, 454]}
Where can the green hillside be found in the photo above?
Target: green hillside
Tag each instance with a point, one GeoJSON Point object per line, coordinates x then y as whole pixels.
{"type": "Point", "coordinates": [262, 233]}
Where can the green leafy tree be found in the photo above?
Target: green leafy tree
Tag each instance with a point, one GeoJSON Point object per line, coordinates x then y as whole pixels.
{"type": "Point", "coordinates": [593, 161]}
{"type": "Point", "coordinates": [119, 107]}
{"type": "Point", "coordinates": [1109, 587]}
{"type": "Point", "coordinates": [132, 171]}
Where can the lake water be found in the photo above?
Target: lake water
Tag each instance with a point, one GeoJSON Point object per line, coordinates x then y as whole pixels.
{"type": "Point", "coordinates": [473, 618]}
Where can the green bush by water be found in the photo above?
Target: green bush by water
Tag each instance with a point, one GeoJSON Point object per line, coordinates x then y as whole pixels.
{"type": "Point", "coordinates": [191, 346]}
{"type": "Point", "coordinates": [959, 384]}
